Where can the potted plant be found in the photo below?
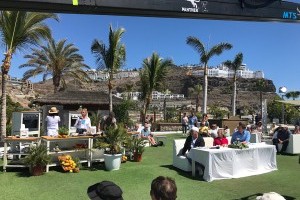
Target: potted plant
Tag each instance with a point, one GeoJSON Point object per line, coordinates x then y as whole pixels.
{"type": "Point", "coordinates": [37, 159]}
{"type": "Point", "coordinates": [137, 147]}
{"type": "Point", "coordinates": [63, 132]}
{"type": "Point", "coordinates": [112, 142]}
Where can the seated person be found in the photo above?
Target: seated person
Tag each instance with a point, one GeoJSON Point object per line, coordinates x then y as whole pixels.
{"type": "Point", "coordinates": [220, 140]}
{"type": "Point", "coordinates": [105, 190]}
{"type": "Point", "coordinates": [163, 188]}
{"type": "Point", "coordinates": [138, 127]}
{"type": "Point", "coordinates": [192, 141]}
{"type": "Point", "coordinates": [213, 132]}
{"type": "Point", "coordinates": [226, 131]}
{"type": "Point", "coordinates": [281, 136]}
{"type": "Point", "coordinates": [241, 135]}
{"type": "Point", "coordinates": [146, 134]}
{"type": "Point", "coordinates": [203, 130]}
{"type": "Point", "coordinates": [253, 130]}
{"type": "Point", "coordinates": [296, 130]}
{"type": "Point", "coordinates": [273, 128]}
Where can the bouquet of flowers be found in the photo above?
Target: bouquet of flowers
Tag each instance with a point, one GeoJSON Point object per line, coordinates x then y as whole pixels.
{"type": "Point", "coordinates": [68, 164]}
{"type": "Point", "coordinates": [238, 145]}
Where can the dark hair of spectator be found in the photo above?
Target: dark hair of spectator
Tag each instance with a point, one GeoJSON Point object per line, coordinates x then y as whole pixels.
{"type": "Point", "coordinates": [243, 125]}
{"type": "Point", "coordinates": [163, 188]}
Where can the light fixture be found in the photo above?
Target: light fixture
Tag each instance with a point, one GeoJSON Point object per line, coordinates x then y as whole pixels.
{"type": "Point", "coordinates": [282, 89]}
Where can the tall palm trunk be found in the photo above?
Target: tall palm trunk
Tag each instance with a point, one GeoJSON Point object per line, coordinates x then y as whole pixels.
{"type": "Point", "coordinates": [234, 96]}
{"type": "Point", "coordinates": [110, 86]}
{"type": "Point", "coordinates": [197, 103]}
{"type": "Point", "coordinates": [56, 81]}
{"type": "Point", "coordinates": [5, 69]}
{"type": "Point", "coordinates": [205, 83]}
{"type": "Point", "coordinates": [146, 105]}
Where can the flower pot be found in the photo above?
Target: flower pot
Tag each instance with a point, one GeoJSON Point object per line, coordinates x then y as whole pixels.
{"type": "Point", "coordinates": [137, 157]}
{"type": "Point", "coordinates": [37, 170]}
{"type": "Point", "coordinates": [112, 162]}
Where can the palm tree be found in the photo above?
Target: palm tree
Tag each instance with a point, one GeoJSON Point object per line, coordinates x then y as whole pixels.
{"type": "Point", "coordinates": [293, 94]}
{"type": "Point", "coordinates": [111, 57]}
{"type": "Point", "coordinates": [261, 85]}
{"type": "Point", "coordinates": [235, 66]}
{"type": "Point", "coordinates": [18, 31]}
{"type": "Point", "coordinates": [129, 89]}
{"type": "Point", "coordinates": [152, 75]}
{"type": "Point", "coordinates": [205, 56]}
{"type": "Point", "coordinates": [196, 90]}
{"type": "Point", "coordinates": [59, 60]}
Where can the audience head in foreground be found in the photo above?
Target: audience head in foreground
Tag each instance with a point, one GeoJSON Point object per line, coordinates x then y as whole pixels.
{"type": "Point", "coordinates": [105, 190]}
{"type": "Point", "coordinates": [163, 188]}
{"type": "Point", "coordinates": [270, 196]}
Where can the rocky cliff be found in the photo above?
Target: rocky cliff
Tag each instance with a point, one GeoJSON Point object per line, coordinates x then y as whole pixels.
{"type": "Point", "coordinates": [178, 81]}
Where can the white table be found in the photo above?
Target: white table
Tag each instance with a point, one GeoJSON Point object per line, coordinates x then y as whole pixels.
{"type": "Point", "coordinates": [228, 163]}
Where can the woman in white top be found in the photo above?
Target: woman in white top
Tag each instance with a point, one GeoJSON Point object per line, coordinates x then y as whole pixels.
{"type": "Point", "coordinates": [83, 123]}
{"type": "Point", "coordinates": [52, 122]}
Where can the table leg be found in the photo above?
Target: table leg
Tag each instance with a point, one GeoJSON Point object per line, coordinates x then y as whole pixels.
{"type": "Point", "coordinates": [89, 159]}
{"type": "Point", "coordinates": [193, 168]}
{"type": "Point", "coordinates": [5, 156]}
{"type": "Point", "coordinates": [48, 150]}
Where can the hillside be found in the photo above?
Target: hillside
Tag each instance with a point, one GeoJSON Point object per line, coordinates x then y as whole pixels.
{"type": "Point", "coordinates": [178, 81]}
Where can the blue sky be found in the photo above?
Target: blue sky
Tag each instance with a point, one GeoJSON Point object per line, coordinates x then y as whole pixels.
{"type": "Point", "coordinates": [272, 47]}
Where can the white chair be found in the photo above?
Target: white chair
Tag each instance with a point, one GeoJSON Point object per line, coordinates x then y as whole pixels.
{"type": "Point", "coordinates": [294, 144]}
{"type": "Point", "coordinates": [180, 162]}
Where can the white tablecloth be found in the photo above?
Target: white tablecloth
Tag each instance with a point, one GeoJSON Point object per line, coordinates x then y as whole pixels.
{"type": "Point", "coordinates": [228, 163]}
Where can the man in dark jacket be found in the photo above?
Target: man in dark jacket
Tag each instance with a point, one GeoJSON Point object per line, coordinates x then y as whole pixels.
{"type": "Point", "coordinates": [282, 136]}
{"type": "Point", "coordinates": [193, 140]}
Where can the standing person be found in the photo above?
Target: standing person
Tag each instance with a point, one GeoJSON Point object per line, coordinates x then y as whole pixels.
{"type": "Point", "coordinates": [193, 120]}
{"type": "Point", "coordinates": [241, 135]}
{"type": "Point", "coordinates": [109, 121]}
{"type": "Point", "coordinates": [83, 123]}
{"type": "Point", "coordinates": [52, 122]}
{"type": "Point", "coordinates": [184, 123]}
{"type": "Point", "coordinates": [163, 188]}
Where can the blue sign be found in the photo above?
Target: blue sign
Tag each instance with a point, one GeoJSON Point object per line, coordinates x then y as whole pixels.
{"type": "Point", "coordinates": [289, 15]}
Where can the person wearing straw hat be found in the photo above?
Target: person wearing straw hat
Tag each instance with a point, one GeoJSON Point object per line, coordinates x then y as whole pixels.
{"type": "Point", "coordinates": [52, 122]}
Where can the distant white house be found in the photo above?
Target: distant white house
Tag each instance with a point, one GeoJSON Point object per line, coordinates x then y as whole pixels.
{"type": "Point", "coordinates": [224, 72]}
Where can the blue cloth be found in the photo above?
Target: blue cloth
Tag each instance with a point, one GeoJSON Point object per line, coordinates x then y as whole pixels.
{"type": "Point", "coordinates": [145, 132]}
{"type": "Point", "coordinates": [242, 137]}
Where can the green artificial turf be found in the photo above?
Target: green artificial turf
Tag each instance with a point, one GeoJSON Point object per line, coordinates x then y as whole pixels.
{"type": "Point", "coordinates": [135, 179]}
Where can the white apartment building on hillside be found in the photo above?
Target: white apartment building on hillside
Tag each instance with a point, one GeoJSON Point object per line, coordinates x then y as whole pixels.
{"type": "Point", "coordinates": [155, 95]}
{"type": "Point", "coordinates": [103, 75]}
{"type": "Point", "coordinates": [224, 72]}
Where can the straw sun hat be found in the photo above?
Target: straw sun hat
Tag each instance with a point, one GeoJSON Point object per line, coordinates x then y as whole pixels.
{"type": "Point", "coordinates": [53, 110]}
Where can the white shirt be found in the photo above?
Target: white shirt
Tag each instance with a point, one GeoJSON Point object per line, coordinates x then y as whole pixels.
{"type": "Point", "coordinates": [52, 122]}
{"type": "Point", "coordinates": [83, 123]}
